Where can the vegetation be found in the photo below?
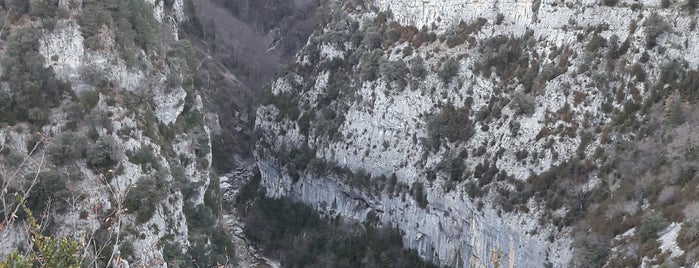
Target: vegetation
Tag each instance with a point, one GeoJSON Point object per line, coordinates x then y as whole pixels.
{"type": "Point", "coordinates": [50, 186]}
{"type": "Point", "coordinates": [298, 237]}
{"type": "Point", "coordinates": [132, 22]}
{"type": "Point", "coordinates": [450, 68]}
{"type": "Point", "coordinates": [33, 85]}
{"type": "Point", "coordinates": [103, 154]}
{"type": "Point", "coordinates": [463, 32]}
{"type": "Point", "coordinates": [46, 251]}
{"type": "Point", "coordinates": [523, 104]}
{"type": "Point", "coordinates": [395, 72]}
{"type": "Point", "coordinates": [417, 67]}
{"type": "Point", "coordinates": [654, 26]}
{"type": "Point", "coordinates": [417, 191]}
{"type": "Point", "coordinates": [451, 123]}
{"type": "Point", "coordinates": [66, 148]}
{"type": "Point", "coordinates": [145, 197]}
{"type": "Point", "coordinates": [43, 8]}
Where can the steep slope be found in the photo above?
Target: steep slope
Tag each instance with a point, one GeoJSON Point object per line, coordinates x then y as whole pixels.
{"type": "Point", "coordinates": [103, 133]}
{"type": "Point", "coordinates": [491, 133]}
{"type": "Point", "coordinates": [242, 42]}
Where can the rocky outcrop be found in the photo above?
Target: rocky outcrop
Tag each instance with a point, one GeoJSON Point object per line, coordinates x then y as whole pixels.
{"type": "Point", "coordinates": [154, 130]}
{"type": "Point", "coordinates": [383, 127]}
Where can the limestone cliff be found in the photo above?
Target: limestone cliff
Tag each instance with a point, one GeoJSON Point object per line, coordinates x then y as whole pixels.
{"type": "Point", "coordinates": [454, 120]}
{"type": "Point", "coordinates": [121, 159]}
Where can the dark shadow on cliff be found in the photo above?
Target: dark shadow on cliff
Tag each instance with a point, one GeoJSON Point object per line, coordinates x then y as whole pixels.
{"type": "Point", "coordinates": [240, 44]}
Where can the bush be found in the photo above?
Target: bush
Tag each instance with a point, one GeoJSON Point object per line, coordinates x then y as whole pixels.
{"type": "Point", "coordinates": [690, 6]}
{"type": "Point", "coordinates": [145, 197]}
{"type": "Point", "coordinates": [66, 148]}
{"type": "Point", "coordinates": [33, 86]}
{"type": "Point", "coordinates": [369, 66]}
{"type": "Point", "coordinates": [144, 157]}
{"type": "Point", "coordinates": [103, 154]}
{"type": "Point", "coordinates": [650, 225]}
{"type": "Point", "coordinates": [131, 20]}
{"type": "Point", "coordinates": [395, 71]}
{"type": "Point", "coordinates": [451, 123]}
{"type": "Point", "coordinates": [43, 8]}
{"type": "Point", "coordinates": [595, 43]}
{"type": "Point", "coordinates": [589, 252]}
{"type": "Point", "coordinates": [464, 31]}
{"type": "Point", "coordinates": [174, 257]}
{"type": "Point", "coordinates": [654, 27]}
{"type": "Point", "coordinates": [372, 38]}
{"type": "Point", "coordinates": [453, 166]}
{"type": "Point", "coordinates": [93, 17]}
{"type": "Point", "coordinates": [507, 56]}
{"type": "Point", "coordinates": [418, 193]}
{"type": "Point", "coordinates": [523, 104]}
{"type": "Point", "coordinates": [417, 67]}
{"type": "Point", "coordinates": [610, 3]}
{"type": "Point", "coordinates": [449, 69]}
{"type": "Point", "coordinates": [19, 6]}
{"type": "Point", "coordinates": [665, 3]}
{"type": "Point", "coordinates": [688, 236]}
{"type": "Point", "coordinates": [50, 185]}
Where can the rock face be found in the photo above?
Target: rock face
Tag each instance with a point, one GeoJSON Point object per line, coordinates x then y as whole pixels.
{"type": "Point", "coordinates": [451, 232]}
{"type": "Point", "coordinates": [358, 130]}
{"type": "Point", "coordinates": [155, 132]}
{"type": "Point", "coordinates": [445, 13]}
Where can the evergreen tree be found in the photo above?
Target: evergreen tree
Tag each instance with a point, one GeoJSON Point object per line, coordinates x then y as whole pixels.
{"type": "Point", "coordinates": [43, 8]}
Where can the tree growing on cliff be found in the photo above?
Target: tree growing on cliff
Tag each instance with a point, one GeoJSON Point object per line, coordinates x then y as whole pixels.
{"type": "Point", "coordinates": [450, 68]}
{"type": "Point", "coordinates": [43, 8]}
{"type": "Point", "coordinates": [33, 86]}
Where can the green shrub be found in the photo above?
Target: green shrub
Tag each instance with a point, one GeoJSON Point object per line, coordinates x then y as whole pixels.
{"type": "Point", "coordinates": [32, 85]}
{"type": "Point", "coordinates": [610, 3]}
{"type": "Point", "coordinates": [665, 3]}
{"type": "Point", "coordinates": [103, 154]}
{"type": "Point", "coordinates": [50, 185]}
{"type": "Point", "coordinates": [499, 18]}
{"type": "Point", "coordinates": [93, 17]}
{"type": "Point", "coordinates": [688, 236]}
{"type": "Point", "coordinates": [690, 6]}
{"type": "Point", "coordinates": [650, 225]}
{"type": "Point", "coordinates": [417, 191]}
{"type": "Point", "coordinates": [451, 123]}
{"type": "Point", "coordinates": [453, 166]}
{"type": "Point", "coordinates": [302, 238]}
{"type": "Point", "coordinates": [675, 116]}
{"type": "Point", "coordinates": [372, 38]}
{"type": "Point", "coordinates": [523, 104]}
{"type": "Point", "coordinates": [19, 6]}
{"type": "Point", "coordinates": [369, 65]}
{"type": "Point", "coordinates": [395, 71]}
{"type": "Point", "coordinates": [450, 68]}
{"type": "Point", "coordinates": [174, 257]}
{"type": "Point", "coordinates": [144, 157]}
{"type": "Point", "coordinates": [589, 252]}
{"type": "Point", "coordinates": [145, 197]}
{"type": "Point", "coordinates": [654, 27]}
{"type": "Point", "coordinates": [550, 72]}
{"type": "Point", "coordinates": [67, 148]}
{"type": "Point", "coordinates": [131, 20]}
{"type": "Point", "coordinates": [417, 68]}
{"type": "Point", "coordinates": [507, 55]}
{"type": "Point", "coordinates": [38, 117]}
{"type": "Point", "coordinates": [43, 8]}
{"type": "Point", "coordinates": [464, 30]}
{"type": "Point", "coordinates": [595, 43]}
